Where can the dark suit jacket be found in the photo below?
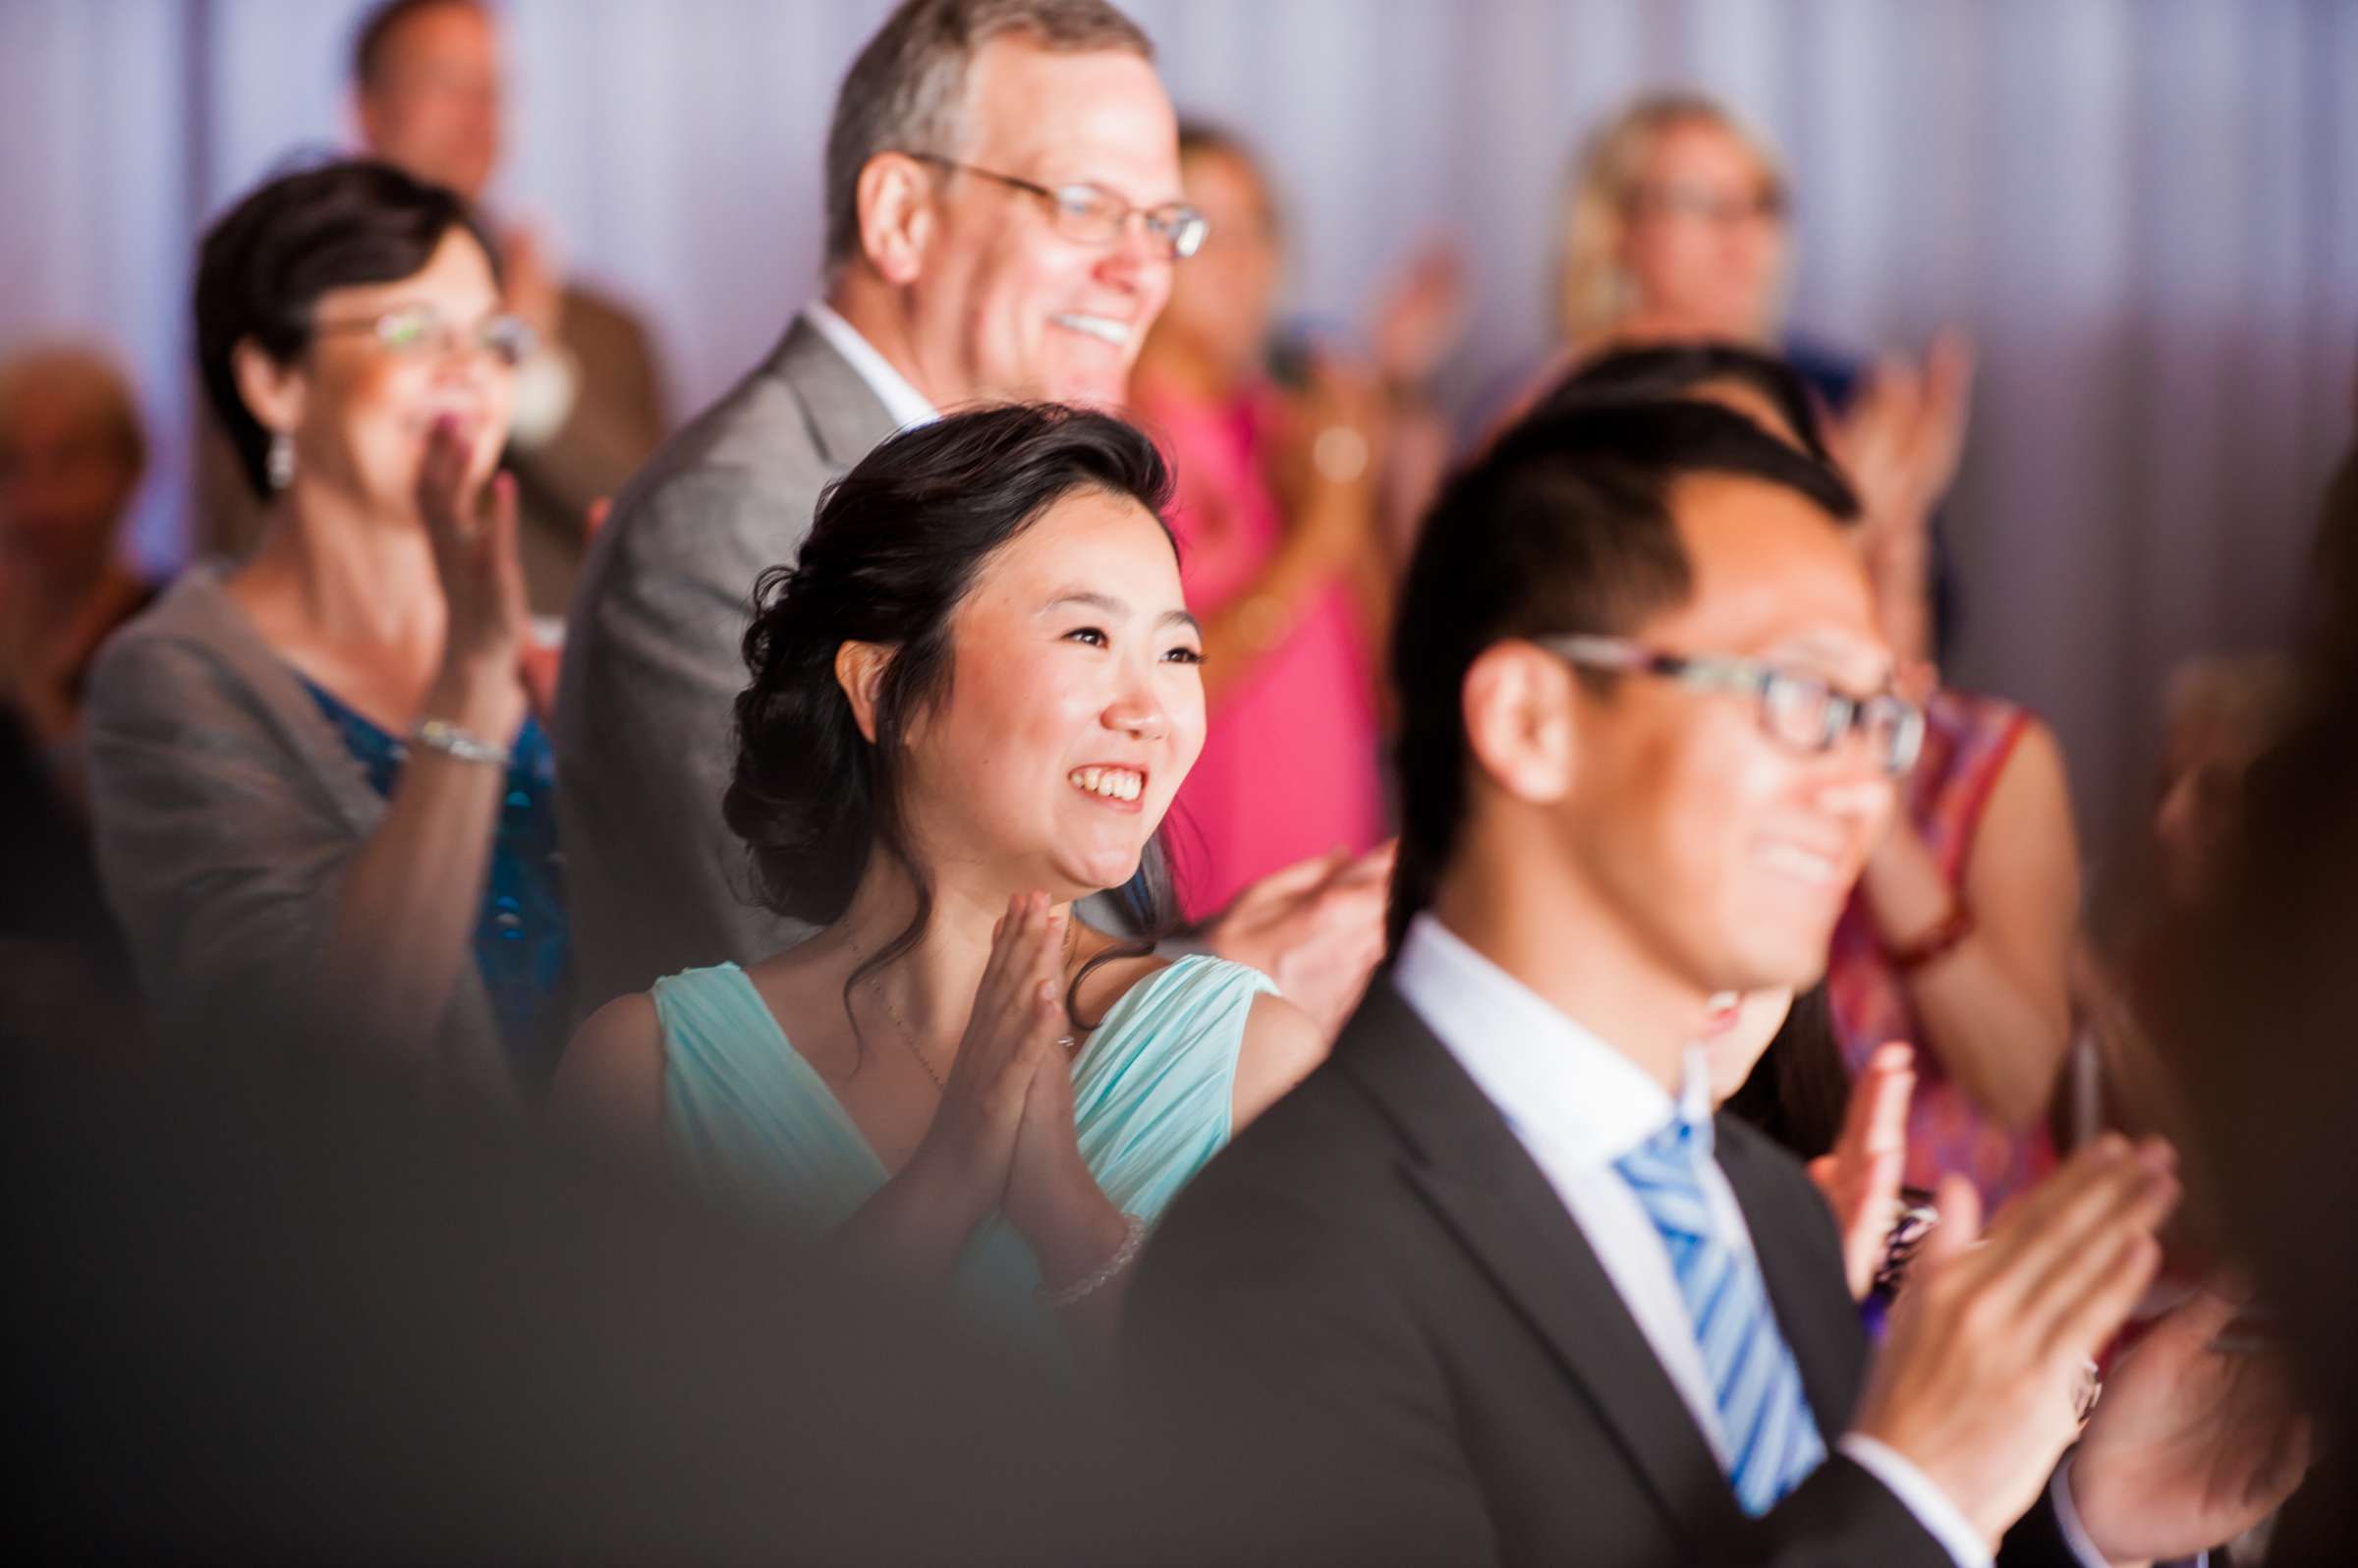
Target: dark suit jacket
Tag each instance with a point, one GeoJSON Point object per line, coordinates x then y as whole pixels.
{"type": "Point", "coordinates": [1374, 1308]}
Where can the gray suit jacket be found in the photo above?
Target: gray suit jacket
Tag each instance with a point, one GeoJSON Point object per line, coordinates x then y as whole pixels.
{"type": "Point", "coordinates": [653, 662]}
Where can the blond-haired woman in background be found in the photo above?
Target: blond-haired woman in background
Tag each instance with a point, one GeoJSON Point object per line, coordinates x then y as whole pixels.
{"type": "Point", "coordinates": [1676, 228]}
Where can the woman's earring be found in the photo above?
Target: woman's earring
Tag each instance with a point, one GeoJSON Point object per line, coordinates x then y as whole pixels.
{"type": "Point", "coordinates": [279, 467]}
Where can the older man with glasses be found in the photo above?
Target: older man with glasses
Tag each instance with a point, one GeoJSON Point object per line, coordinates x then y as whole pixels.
{"type": "Point", "coordinates": [1002, 216]}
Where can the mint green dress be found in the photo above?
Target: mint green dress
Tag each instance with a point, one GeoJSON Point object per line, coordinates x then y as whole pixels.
{"type": "Point", "coordinates": [1152, 1090]}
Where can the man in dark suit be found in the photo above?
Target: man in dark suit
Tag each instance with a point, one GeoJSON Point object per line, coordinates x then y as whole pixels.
{"type": "Point", "coordinates": [1493, 1285]}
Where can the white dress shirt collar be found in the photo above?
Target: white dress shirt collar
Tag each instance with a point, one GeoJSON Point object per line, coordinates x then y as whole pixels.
{"type": "Point", "coordinates": [908, 406]}
{"type": "Point", "coordinates": [1577, 1105]}
{"type": "Point", "coordinates": [1546, 1073]}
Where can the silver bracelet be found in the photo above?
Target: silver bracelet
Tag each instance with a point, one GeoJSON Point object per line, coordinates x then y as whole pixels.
{"type": "Point", "coordinates": [1134, 1237]}
{"type": "Point", "coordinates": [439, 735]}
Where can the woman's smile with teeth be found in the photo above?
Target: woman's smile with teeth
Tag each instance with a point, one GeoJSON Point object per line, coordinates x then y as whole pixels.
{"type": "Point", "coordinates": [1114, 783]}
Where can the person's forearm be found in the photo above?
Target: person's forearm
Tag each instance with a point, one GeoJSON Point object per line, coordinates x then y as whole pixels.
{"type": "Point", "coordinates": [914, 1228]}
{"type": "Point", "coordinates": [1901, 573]}
{"type": "Point", "coordinates": [1982, 1022]}
{"type": "Point", "coordinates": [407, 909]}
{"type": "Point", "coordinates": [1263, 615]}
{"type": "Point", "coordinates": [2002, 1047]}
{"type": "Point", "coordinates": [1375, 581]}
{"type": "Point", "coordinates": [1073, 1233]}
{"type": "Point", "coordinates": [1074, 1236]}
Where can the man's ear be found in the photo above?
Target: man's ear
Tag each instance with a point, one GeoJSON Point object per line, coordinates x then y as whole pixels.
{"type": "Point", "coordinates": [1520, 709]}
{"type": "Point", "coordinates": [273, 393]}
{"type": "Point", "coordinates": [859, 670]}
{"type": "Point", "coordinates": [895, 196]}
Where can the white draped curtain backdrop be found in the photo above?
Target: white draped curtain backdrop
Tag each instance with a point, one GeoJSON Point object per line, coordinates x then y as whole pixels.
{"type": "Point", "coordinates": [2145, 213]}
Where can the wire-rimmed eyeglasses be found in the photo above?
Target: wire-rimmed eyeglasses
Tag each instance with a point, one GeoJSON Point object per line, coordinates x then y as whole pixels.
{"type": "Point", "coordinates": [419, 329]}
{"type": "Point", "coordinates": [1090, 215]}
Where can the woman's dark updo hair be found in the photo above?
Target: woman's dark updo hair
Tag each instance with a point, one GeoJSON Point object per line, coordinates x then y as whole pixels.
{"type": "Point", "coordinates": [895, 547]}
{"type": "Point", "coordinates": [264, 266]}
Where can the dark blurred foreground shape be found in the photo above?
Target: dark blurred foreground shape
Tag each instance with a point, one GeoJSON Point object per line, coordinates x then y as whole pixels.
{"type": "Point", "coordinates": [2249, 998]}
{"type": "Point", "coordinates": [308, 1324]}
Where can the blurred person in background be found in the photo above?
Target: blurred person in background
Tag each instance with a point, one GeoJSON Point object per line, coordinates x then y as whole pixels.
{"type": "Point", "coordinates": [428, 91]}
{"type": "Point", "coordinates": [1676, 229]}
{"type": "Point", "coordinates": [1003, 216]}
{"type": "Point", "coordinates": [71, 454]}
{"type": "Point", "coordinates": [315, 777]}
{"type": "Point", "coordinates": [2245, 996]}
{"type": "Point", "coordinates": [1958, 939]}
{"type": "Point", "coordinates": [2219, 715]}
{"type": "Point", "coordinates": [1285, 550]}
{"type": "Point", "coordinates": [973, 698]}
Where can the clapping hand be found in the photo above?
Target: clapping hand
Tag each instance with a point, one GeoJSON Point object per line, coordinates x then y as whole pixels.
{"type": "Point", "coordinates": [1976, 1383]}
{"type": "Point", "coordinates": [1017, 1020]}
{"type": "Point", "coordinates": [2192, 1444]}
{"type": "Point", "coordinates": [1420, 316]}
{"type": "Point", "coordinates": [1329, 443]}
{"type": "Point", "coordinates": [1861, 1176]}
{"type": "Point", "coordinates": [1901, 439]}
{"type": "Point", "coordinates": [1316, 929]}
{"type": "Point", "coordinates": [487, 622]}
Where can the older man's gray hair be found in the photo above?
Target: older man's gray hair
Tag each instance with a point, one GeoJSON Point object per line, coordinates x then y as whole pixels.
{"type": "Point", "coordinates": [906, 92]}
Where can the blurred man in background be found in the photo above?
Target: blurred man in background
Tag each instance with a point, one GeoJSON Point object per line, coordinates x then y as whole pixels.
{"type": "Point", "coordinates": [428, 87]}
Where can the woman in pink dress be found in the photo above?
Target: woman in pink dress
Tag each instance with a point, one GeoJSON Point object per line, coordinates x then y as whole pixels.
{"type": "Point", "coordinates": [1958, 939]}
{"type": "Point", "coordinates": [1283, 552]}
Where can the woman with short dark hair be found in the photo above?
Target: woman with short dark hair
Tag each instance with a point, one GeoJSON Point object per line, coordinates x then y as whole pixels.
{"type": "Point", "coordinates": [972, 697]}
{"type": "Point", "coordinates": [317, 788]}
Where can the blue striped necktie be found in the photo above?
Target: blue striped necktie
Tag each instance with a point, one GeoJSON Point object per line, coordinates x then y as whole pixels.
{"type": "Point", "coordinates": [1773, 1441]}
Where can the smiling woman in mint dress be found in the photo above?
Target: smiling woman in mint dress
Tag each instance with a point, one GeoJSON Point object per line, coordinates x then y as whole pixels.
{"type": "Point", "coordinates": [972, 700]}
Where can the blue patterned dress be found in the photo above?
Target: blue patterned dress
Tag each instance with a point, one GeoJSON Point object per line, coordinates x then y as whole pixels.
{"type": "Point", "coordinates": [522, 940]}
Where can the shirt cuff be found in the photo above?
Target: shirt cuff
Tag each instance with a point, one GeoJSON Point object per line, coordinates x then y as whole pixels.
{"type": "Point", "coordinates": [1939, 1517]}
{"type": "Point", "coordinates": [2075, 1533]}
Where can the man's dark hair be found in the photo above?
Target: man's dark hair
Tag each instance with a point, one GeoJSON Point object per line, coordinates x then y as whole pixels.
{"type": "Point", "coordinates": [1564, 526]}
{"type": "Point", "coordinates": [374, 39]}
{"type": "Point", "coordinates": [1655, 371]}
{"type": "Point", "coordinates": [265, 265]}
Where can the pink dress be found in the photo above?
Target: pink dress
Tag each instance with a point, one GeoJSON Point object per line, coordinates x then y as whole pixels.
{"type": "Point", "coordinates": [1967, 741]}
{"type": "Point", "coordinates": [1290, 759]}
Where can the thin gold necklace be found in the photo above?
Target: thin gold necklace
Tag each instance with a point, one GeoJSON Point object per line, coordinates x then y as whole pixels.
{"type": "Point", "coordinates": [875, 982]}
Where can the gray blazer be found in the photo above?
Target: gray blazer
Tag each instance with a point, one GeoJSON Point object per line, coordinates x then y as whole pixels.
{"type": "Point", "coordinates": [653, 663]}
{"type": "Point", "coordinates": [225, 808]}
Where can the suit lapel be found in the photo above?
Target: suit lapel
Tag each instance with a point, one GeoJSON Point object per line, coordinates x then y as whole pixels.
{"type": "Point", "coordinates": [846, 418]}
{"type": "Point", "coordinates": [1803, 1274]}
{"type": "Point", "coordinates": [1474, 1173]}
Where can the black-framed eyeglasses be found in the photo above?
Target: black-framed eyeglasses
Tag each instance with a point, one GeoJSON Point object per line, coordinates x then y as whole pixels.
{"type": "Point", "coordinates": [417, 330]}
{"type": "Point", "coordinates": [1090, 215]}
{"type": "Point", "coordinates": [1799, 709]}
